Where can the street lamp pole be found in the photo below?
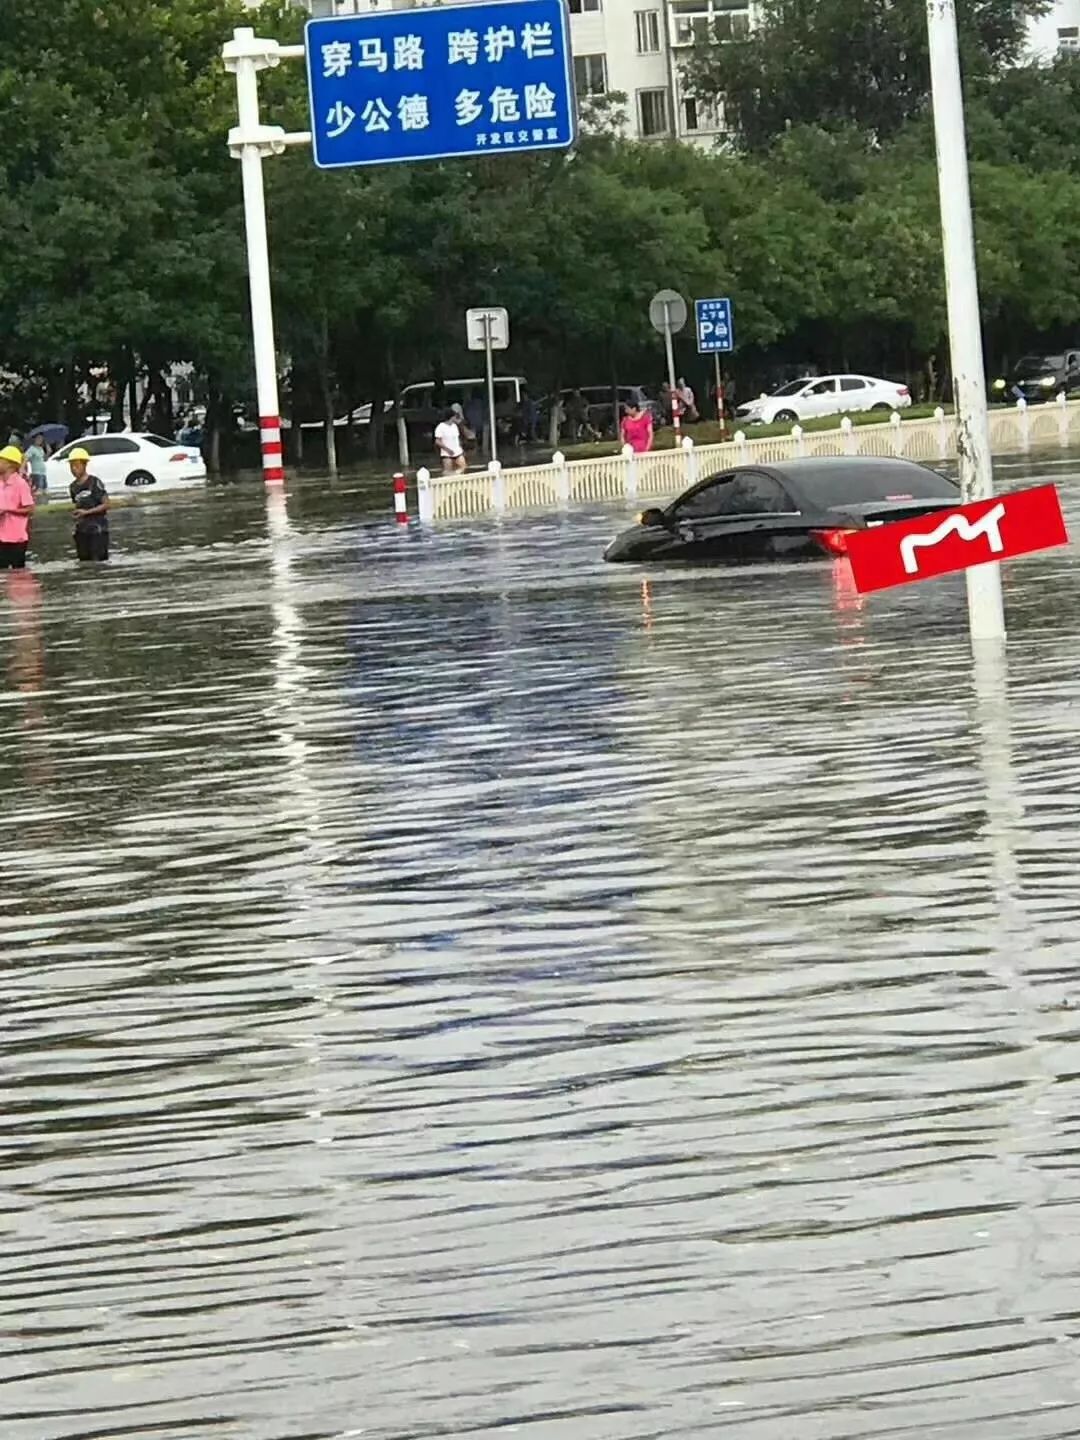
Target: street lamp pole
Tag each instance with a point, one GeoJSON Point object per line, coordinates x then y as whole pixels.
{"type": "Point", "coordinates": [249, 141]}
{"type": "Point", "coordinates": [986, 616]}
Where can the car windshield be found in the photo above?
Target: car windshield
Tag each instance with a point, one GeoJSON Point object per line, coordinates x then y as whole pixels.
{"type": "Point", "coordinates": [792, 387]}
{"type": "Point", "coordinates": [831, 482]}
{"type": "Point", "coordinates": [1039, 364]}
{"type": "Point", "coordinates": [157, 440]}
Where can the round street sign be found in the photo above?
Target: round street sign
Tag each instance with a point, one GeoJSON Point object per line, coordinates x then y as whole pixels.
{"type": "Point", "coordinates": [667, 312]}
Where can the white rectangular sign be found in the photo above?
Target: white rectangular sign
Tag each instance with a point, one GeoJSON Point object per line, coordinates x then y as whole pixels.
{"type": "Point", "coordinates": [499, 322]}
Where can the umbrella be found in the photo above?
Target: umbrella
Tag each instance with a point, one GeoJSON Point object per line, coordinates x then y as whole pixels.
{"type": "Point", "coordinates": [53, 434]}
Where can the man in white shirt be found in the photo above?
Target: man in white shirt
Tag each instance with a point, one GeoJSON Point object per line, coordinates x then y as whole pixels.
{"type": "Point", "coordinates": [448, 444]}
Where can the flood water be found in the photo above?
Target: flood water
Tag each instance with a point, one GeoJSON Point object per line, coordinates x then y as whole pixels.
{"type": "Point", "coordinates": [455, 988]}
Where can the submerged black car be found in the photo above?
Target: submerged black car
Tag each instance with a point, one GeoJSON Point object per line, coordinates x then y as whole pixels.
{"type": "Point", "coordinates": [793, 510]}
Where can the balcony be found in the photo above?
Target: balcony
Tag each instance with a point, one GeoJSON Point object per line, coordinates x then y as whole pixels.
{"type": "Point", "coordinates": [693, 21]}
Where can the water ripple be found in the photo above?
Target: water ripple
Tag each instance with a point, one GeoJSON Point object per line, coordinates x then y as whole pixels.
{"type": "Point", "coordinates": [455, 988]}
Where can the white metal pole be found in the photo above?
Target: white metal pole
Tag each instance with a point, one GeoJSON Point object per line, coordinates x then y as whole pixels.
{"type": "Point", "coordinates": [669, 349]}
{"type": "Point", "coordinates": [262, 313]}
{"type": "Point", "coordinates": [986, 617]}
{"type": "Point", "coordinates": [493, 453]}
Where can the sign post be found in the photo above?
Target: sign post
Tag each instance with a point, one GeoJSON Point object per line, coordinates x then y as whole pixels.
{"type": "Point", "coordinates": [715, 336]}
{"type": "Point", "coordinates": [489, 330]}
{"type": "Point", "coordinates": [392, 86]}
{"type": "Point", "coordinates": [667, 315]}
{"type": "Point", "coordinates": [986, 617]}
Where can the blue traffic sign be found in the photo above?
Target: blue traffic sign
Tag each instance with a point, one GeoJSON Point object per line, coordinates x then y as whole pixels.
{"type": "Point", "coordinates": [715, 331]}
{"type": "Point", "coordinates": [437, 83]}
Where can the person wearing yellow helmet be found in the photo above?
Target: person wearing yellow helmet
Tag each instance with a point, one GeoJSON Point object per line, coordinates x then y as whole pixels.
{"type": "Point", "coordinates": [16, 507]}
{"type": "Point", "coordinates": [91, 503]}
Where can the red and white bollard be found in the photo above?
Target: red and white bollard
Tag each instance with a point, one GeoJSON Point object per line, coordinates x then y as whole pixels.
{"type": "Point", "coordinates": [270, 435]}
{"type": "Point", "coordinates": [401, 501]}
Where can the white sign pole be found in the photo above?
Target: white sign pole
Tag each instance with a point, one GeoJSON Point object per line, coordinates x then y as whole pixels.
{"type": "Point", "coordinates": [246, 54]}
{"type": "Point", "coordinates": [676, 399]}
{"type": "Point", "coordinates": [986, 617]}
{"type": "Point", "coordinates": [493, 453]}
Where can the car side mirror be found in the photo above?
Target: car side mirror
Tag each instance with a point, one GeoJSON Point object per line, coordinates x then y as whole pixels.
{"type": "Point", "coordinates": [654, 518]}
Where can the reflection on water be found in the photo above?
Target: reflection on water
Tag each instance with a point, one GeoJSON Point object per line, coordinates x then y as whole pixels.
{"type": "Point", "coordinates": [453, 987]}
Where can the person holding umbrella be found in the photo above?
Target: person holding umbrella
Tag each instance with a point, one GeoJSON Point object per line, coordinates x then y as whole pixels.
{"type": "Point", "coordinates": [16, 507]}
{"type": "Point", "coordinates": [91, 502]}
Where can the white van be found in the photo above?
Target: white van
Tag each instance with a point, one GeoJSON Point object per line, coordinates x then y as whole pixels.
{"type": "Point", "coordinates": [420, 406]}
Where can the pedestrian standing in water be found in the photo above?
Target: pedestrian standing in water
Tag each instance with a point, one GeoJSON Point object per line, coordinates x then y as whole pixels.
{"type": "Point", "coordinates": [448, 443]}
{"type": "Point", "coordinates": [16, 507]}
{"type": "Point", "coordinates": [91, 502]}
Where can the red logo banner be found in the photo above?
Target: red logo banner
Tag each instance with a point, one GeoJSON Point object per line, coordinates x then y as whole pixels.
{"type": "Point", "coordinates": [987, 530]}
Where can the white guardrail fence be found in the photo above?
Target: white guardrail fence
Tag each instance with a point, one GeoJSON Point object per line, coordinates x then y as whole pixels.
{"type": "Point", "coordinates": [662, 474]}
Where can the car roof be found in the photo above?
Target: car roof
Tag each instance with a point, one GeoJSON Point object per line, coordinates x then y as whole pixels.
{"type": "Point", "coordinates": [803, 477]}
{"type": "Point", "coordinates": [467, 380]}
{"type": "Point", "coordinates": [806, 475]}
{"type": "Point", "coordinates": [105, 435]}
{"type": "Point", "coordinates": [820, 466]}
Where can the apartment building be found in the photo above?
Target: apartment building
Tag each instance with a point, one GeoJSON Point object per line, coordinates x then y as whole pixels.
{"type": "Point", "coordinates": [635, 47]}
{"type": "Point", "coordinates": [1056, 32]}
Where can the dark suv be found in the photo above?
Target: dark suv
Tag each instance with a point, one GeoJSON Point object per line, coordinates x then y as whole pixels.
{"type": "Point", "coordinates": [1041, 377]}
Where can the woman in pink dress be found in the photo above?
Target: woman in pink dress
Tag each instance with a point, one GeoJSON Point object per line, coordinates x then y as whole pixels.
{"type": "Point", "coordinates": [637, 429]}
{"type": "Point", "coordinates": [16, 507]}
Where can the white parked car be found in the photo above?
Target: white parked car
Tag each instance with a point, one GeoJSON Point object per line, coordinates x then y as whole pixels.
{"type": "Point", "coordinates": [824, 395]}
{"type": "Point", "coordinates": [129, 462]}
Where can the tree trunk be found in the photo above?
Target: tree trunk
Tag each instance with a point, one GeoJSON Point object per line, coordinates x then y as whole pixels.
{"type": "Point", "coordinates": [212, 431]}
{"type": "Point", "coordinates": [327, 393]}
{"type": "Point", "coordinates": [72, 416]}
{"type": "Point", "coordinates": [328, 417]}
{"type": "Point", "coordinates": [297, 437]}
{"type": "Point", "coordinates": [138, 414]}
{"type": "Point", "coordinates": [555, 419]}
{"type": "Point", "coordinates": [376, 444]}
{"type": "Point", "coordinates": [119, 373]}
{"type": "Point", "coordinates": [133, 390]}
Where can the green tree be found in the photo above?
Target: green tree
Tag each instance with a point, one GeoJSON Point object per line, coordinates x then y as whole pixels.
{"type": "Point", "coordinates": [836, 62]}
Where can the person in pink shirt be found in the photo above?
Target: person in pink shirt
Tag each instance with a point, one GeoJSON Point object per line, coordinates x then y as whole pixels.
{"type": "Point", "coordinates": [16, 507]}
{"type": "Point", "coordinates": [637, 429]}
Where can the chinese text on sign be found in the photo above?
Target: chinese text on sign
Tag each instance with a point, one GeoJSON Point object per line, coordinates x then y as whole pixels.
{"type": "Point", "coordinates": [715, 331]}
{"type": "Point", "coordinates": [430, 84]}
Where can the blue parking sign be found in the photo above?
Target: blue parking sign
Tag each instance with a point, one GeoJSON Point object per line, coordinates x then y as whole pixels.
{"type": "Point", "coordinates": [437, 83]}
{"type": "Point", "coordinates": [715, 332]}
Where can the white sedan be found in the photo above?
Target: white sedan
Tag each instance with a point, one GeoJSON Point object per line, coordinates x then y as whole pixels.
{"type": "Point", "coordinates": [128, 461]}
{"type": "Point", "coordinates": [809, 397]}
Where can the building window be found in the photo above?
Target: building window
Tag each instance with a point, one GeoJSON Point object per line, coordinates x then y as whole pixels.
{"type": "Point", "coordinates": [590, 75]}
{"type": "Point", "coordinates": [1069, 37]}
{"type": "Point", "coordinates": [653, 112]}
{"type": "Point", "coordinates": [707, 20]}
{"type": "Point", "coordinates": [582, 7]}
{"type": "Point", "coordinates": [698, 116]}
{"type": "Point", "coordinates": [648, 32]}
